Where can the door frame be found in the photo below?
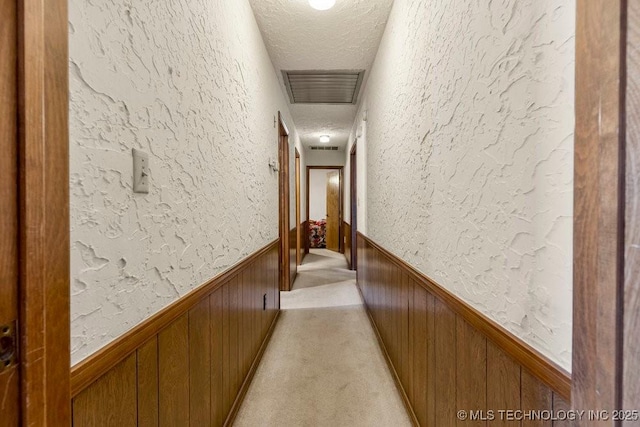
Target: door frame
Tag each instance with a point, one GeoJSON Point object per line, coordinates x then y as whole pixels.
{"type": "Point", "coordinates": [353, 203]}
{"type": "Point", "coordinates": [604, 280]}
{"type": "Point", "coordinates": [43, 163]}
{"type": "Point", "coordinates": [284, 201]}
{"type": "Point", "coordinates": [340, 204]}
{"type": "Point", "coordinates": [9, 214]}
{"type": "Point", "coordinates": [298, 219]}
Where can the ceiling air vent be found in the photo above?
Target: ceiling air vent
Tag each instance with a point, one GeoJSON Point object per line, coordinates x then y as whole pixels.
{"type": "Point", "coordinates": [324, 147]}
{"type": "Point", "coordinates": [324, 86]}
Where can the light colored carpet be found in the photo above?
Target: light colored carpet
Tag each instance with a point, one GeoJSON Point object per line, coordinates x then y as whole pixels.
{"type": "Point", "coordinates": [323, 366]}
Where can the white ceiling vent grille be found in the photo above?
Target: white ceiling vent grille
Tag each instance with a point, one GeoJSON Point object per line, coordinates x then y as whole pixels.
{"type": "Point", "coordinates": [324, 147]}
{"type": "Point", "coordinates": [324, 86]}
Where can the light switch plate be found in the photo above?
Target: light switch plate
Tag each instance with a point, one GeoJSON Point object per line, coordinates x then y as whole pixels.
{"type": "Point", "coordinates": [140, 171]}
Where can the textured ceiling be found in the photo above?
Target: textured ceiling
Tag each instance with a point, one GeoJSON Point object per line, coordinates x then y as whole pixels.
{"type": "Point", "coordinates": [299, 37]}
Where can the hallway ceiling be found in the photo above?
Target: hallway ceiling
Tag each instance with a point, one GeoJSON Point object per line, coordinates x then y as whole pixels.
{"type": "Point", "coordinates": [299, 37]}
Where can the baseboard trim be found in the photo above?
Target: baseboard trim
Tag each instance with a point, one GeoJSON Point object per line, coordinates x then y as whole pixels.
{"type": "Point", "coordinates": [537, 364]}
{"type": "Point", "coordinates": [99, 363]}
{"type": "Point", "coordinates": [392, 368]}
{"type": "Point", "coordinates": [254, 367]}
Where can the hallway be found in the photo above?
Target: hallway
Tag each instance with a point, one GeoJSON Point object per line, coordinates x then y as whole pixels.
{"type": "Point", "coordinates": [476, 162]}
{"type": "Point", "coordinates": [323, 366]}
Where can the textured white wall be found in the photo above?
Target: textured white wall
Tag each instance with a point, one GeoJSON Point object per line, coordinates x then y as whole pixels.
{"type": "Point", "coordinates": [318, 193]}
{"type": "Point", "coordinates": [191, 83]}
{"type": "Point", "coordinates": [469, 143]}
{"type": "Point", "coordinates": [324, 158]}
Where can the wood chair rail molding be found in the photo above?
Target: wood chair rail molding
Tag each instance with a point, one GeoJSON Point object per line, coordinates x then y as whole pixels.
{"type": "Point", "coordinates": [99, 363]}
{"type": "Point", "coordinates": [544, 369]}
{"type": "Point", "coordinates": [196, 370]}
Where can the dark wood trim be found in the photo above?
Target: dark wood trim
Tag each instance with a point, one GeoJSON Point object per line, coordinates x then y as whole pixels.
{"type": "Point", "coordinates": [541, 367]}
{"type": "Point", "coordinates": [284, 201]}
{"type": "Point", "coordinates": [348, 249]}
{"type": "Point", "coordinates": [598, 265]}
{"type": "Point", "coordinates": [90, 369]}
{"type": "Point", "coordinates": [298, 218]}
{"type": "Point", "coordinates": [252, 371]}
{"type": "Point", "coordinates": [306, 231]}
{"type": "Point", "coordinates": [387, 358]}
{"type": "Point", "coordinates": [353, 202]}
{"type": "Point", "coordinates": [44, 212]}
{"type": "Point", "coordinates": [293, 265]}
{"type": "Point", "coordinates": [631, 343]}
{"type": "Point", "coordinates": [9, 210]}
{"type": "Point", "coordinates": [305, 244]}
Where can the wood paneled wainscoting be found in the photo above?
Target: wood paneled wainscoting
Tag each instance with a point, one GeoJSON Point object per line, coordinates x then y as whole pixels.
{"type": "Point", "coordinates": [446, 356]}
{"type": "Point", "coordinates": [346, 236]}
{"type": "Point", "coordinates": [191, 363]}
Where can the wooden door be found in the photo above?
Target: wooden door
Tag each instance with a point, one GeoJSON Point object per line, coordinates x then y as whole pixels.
{"type": "Point", "coordinates": [9, 370]}
{"type": "Point", "coordinates": [333, 211]}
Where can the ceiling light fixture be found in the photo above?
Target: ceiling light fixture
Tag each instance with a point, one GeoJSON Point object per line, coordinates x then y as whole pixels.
{"type": "Point", "coordinates": [322, 4]}
{"type": "Point", "coordinates": [325, 139]}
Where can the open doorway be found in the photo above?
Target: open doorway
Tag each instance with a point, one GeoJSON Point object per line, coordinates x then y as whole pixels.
{"type": "Point", "coordinates": [324, 208]}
